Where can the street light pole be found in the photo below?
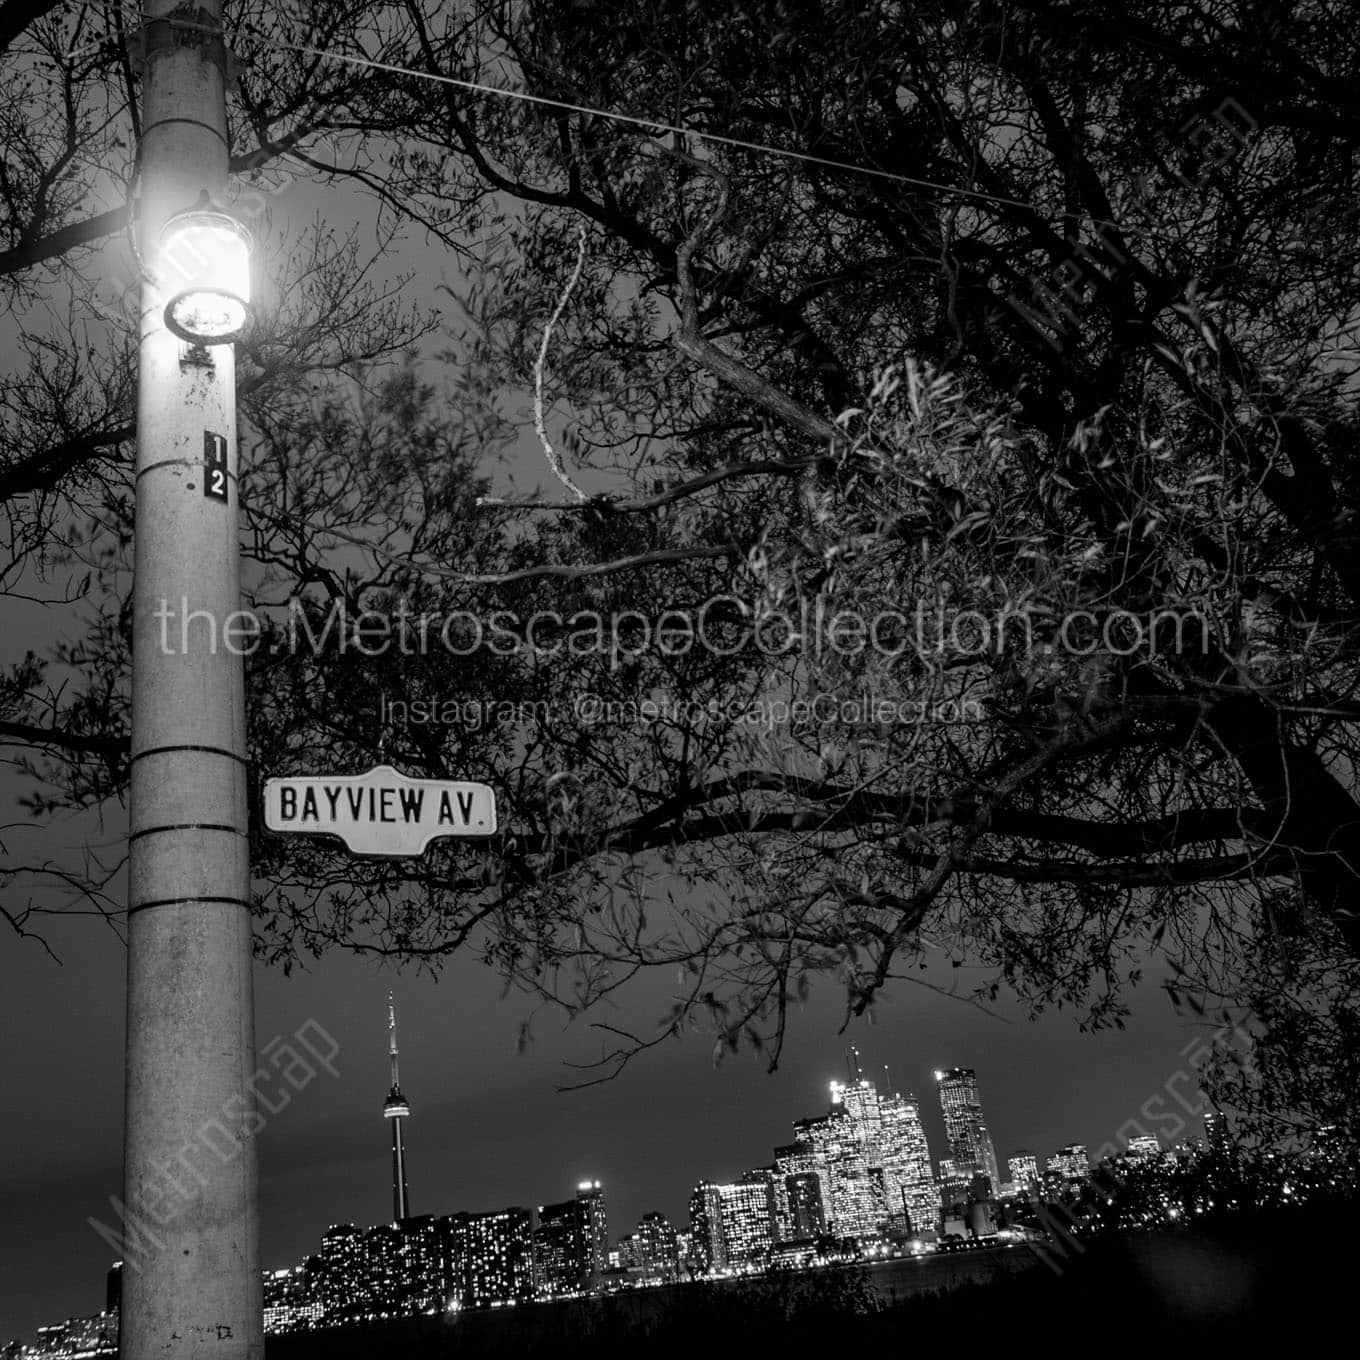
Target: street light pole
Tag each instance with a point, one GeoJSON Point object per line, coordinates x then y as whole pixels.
{"type": "Point", "coordinates": [191, 1279]}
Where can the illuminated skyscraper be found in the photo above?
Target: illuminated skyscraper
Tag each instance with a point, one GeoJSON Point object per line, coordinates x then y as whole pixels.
{"type": "Point", "coordinates": [803, 1212]}
{"type": "Point", "coordinates": [970, 1145]}
{"type": "Point", "coordinates": [559, 1250]}
{"type": "Point", "coordinates": [907, 1181]}
{"type": "Point", "coordinates": [396, 1109]}
{"type": "Point", "coordinates": [746, 1210]}
{"type": "Point", "coordinates": [658, 1250]}
{"type": "Point", "coordinates": [424, 1267]}
{"type": "Point", "coordinates": [1144, 1147]}
{"type": "Point", "coordinates": [953, 1182]}
{"type": "Point", "coordinates": [290, 1301]}
{"type": "Point", "coordinates": [594, 1230]}
{"type": "Point", "coordinates": [1070, 1163]}
{"type": "Point", "coordinates": [76, 1337]}
{"type": "Point", "coordinates": [870, 1161]}
{"type": "Point", "coordinates": [386, 1286]}
{"type": "Point", "coordinates": [494, 1257]}
{"type": "Point", "coordinates": [1024, 1169]}
{"type": "Point", "coordinates": [343, 1273]}
{"type": "Point", "coordinates": [732, 1225]}
{"type": "Point", "coordinates": [707, 1248]}
{"type": "Point", "coordinates": [851, 1144]}
{"type": "Point", "coordinates": [571, 1243]}
{"type": "Point", "coordinates": [797, 1161]}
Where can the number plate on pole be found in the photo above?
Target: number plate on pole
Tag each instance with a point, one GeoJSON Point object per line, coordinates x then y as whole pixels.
{"type": "Point", "coordinates": [214, 466]}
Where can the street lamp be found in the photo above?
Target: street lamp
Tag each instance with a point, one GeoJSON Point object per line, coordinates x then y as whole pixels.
{"type": "Point", "coordinates": [205, 258]}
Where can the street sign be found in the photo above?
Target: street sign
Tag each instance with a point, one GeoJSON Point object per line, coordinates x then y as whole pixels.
{"type": "Point", "coordinates": [382, 812]}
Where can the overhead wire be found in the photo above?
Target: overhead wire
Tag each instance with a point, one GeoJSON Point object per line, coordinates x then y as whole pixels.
{"type": "Point", "coordinates": [651, 125]}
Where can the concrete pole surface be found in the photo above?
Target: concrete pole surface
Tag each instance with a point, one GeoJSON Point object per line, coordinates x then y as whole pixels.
{"type": "Point", "coordinates": [191, 1283]}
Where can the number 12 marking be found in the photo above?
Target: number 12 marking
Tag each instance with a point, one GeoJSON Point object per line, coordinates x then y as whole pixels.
{"type": "Point", "coordinates": [214, 466]}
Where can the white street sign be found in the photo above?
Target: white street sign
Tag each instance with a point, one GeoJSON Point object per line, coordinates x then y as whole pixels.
{"type": "Point", "coordinates": [382, 812]}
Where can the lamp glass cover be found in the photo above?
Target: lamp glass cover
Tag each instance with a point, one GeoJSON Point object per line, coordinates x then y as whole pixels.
{"type": "Point", "coordinates": [205, 267]}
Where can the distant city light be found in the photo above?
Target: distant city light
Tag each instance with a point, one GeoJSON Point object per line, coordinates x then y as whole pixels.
{"type": "Point", "coordinates": [856, 1184]}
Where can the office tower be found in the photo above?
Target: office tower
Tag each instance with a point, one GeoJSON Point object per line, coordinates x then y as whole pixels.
{"type": "Point", "coordinates": [905, 1154]}
{"type": "Point", "coordinates": [113, 1288]}
{"type": "Point", "coordinates": [1024, 1169]}
{"type": "Point", "coordinates": [707, 1247]}
{"type": "Point", "coordinates": [970, 1145]}
{"type": "Point", "coordinates": [862, 1200]}
{"type": "Point", "coordinates": [868, 1160]}
{"type": "Point", "coordinates": [746, 1218]}
{"type": "Point", "coordinates": [798, 1160]}
{"type": "Point", "coordinates": [803, 1199]}
{"type": "Point", "coordinates": [1070, 1163]}
{"type": "Point", "coordinates": [493, 1257]}
{"type": "Point", "coordinates": [845, 1145]}
{"type": "Point", "coordinates": [594, 1231]}
{"type": "Point", "coordinates": [1144, 1147]}
{"type": "Point", "coordinates": [954, 1182]}
{"type": "Point", "coordinates": [396, 1109]}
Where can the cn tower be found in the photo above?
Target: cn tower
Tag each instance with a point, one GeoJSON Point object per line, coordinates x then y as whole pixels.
{"type": "Point", "coordinates": [396, 1109]}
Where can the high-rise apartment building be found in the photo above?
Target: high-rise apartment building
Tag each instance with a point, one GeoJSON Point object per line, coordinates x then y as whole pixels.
{"type": "Point", "coordinates": [425, 1249]}
{"type": "Point", "coordinates": [594, 1229]}
{"type": "Point", "coordinates": [708, 1250]}
{"type": "Point", "coordinates": [571, 1243]}
{"type": "Point", "coordinates": [291, 1303]}
{"type": "Point", "coordinates": [385, 1295]}
{"type": "Point", "coordinates": [559, 1250]}
{"type": "Point", "coordinates": [343, 1273]}
{"type": "Point", "coordinates": [493, 1256]}
{"type": "Point", "coordinates": [970, 1144]}
{"type": "Point", "coordinates": [657, 1249]}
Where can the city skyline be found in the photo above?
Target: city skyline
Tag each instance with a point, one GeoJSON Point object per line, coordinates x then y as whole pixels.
{"type": "Point", "coordinates": [633, 1133]}
{"type": "Point", "coordinates": [868, 1138]}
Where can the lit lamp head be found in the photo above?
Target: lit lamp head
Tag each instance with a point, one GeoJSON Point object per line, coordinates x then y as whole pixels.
{"type": "Point", "coordinates": [205, 265]}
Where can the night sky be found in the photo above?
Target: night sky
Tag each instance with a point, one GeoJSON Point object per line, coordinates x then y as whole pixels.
{"type": "Point", "coordinates": [489, 1127]}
